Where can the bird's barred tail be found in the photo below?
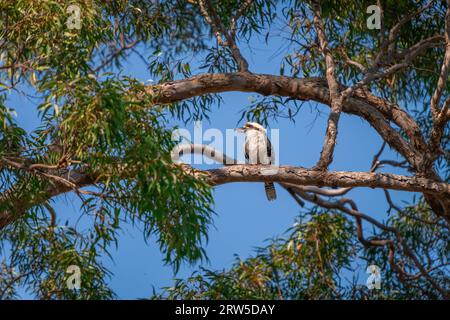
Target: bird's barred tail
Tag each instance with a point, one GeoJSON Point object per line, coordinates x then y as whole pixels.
{"type": "Point", "coordinates": [270, 191]}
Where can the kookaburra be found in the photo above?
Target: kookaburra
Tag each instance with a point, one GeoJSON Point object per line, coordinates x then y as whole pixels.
{"type": "Point", "coordinates": [258, 150]}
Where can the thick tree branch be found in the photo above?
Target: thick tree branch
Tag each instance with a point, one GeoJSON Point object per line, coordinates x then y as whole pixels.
{"type": "Point", "coordinates": [373, 109]}
{"type": "Point", "coordinates": [337, 97]}
{"type": "Point", "coordinates": [12, 207]}
{"type": "Point", "coordinates": [326, 156]}
{"type": "Point", "coordinates": [239, 173]}
{"type": "Point", "coordinates": [234, 172]}
{"type": "Point", "coordinates": [443, 77]}
{"type": "Point", "coordinates": [302, 176]}
{"type": "Point", "coordinates": [440, 115]}
{"type": "Point", "coordinates": [377, 112]}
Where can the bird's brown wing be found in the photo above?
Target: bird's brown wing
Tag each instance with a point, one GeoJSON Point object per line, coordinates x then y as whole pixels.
{"type": "Point", "coordinates": [246, 151]}
{"type": "Point", "coordinates": [269, 149]}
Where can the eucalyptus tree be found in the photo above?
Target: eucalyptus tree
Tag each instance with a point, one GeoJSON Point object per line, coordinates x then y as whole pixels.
{"type": "Point", "coordinates": [107, 139]}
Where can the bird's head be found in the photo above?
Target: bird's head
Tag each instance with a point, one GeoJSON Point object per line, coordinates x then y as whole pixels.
{"type": "Point", "coordinates": [251, 126]}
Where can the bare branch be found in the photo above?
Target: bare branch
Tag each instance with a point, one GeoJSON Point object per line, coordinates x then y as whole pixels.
{"type": "Point", "coordinates": [302, 176]}
{"type": "Point", "coordinates": [244, 6]}
{"type": "Point", "coordinates": [296, 176]}
{"type": "Point", "coordinates": [401, 212]}
{"type": "Point", "coordinates": [294, 195]}
{"type": "Point", "coordinates": [408, 56]}
{"type": "Point", "coordinates": [353, 211]}
{"type": "Point", "coordinates": [117, 52]}
{"type": "Point", "coordinates": [207, 151]}
{"type": "Point", "coordinates": [326, 156]}
{"type": "Point", "coordinates": [440, 116]}
{"type": "Point", "coordinates": [326, 192]}
{"type": "Point", "coordinates": [375, 110]}
{"type": "Point", "coordinates": [389, 43]}
{"type": "Point", "coordinates": [211, 17]}
{"type": "Point", "coordinates": [210, 21]}
{"type": "Point", "coordinates": [397, 115]}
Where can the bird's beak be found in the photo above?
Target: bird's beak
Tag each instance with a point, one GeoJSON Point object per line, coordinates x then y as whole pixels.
{"type": "Point", "coordinates": [241, 130]}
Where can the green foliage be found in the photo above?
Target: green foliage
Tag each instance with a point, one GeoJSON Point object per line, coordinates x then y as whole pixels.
{"type": "Point", "coordinates": [42, 252]}
{"type": "Point", "coordinates": [99, 123]}
{"type": "Point", "coordinates": [319, 260]}
{"type": "Point", "coordinates": [429, 238]}
{"type": "Point", "coordinates": [347, 32]}
{"type": "Point", "coordinates": [304, 265]}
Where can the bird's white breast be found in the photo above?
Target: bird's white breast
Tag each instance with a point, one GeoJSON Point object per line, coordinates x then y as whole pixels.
{"type": "Point", "coordinates": [257, 147]}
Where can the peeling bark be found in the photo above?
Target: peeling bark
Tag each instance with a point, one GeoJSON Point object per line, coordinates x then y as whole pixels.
{"type": "Point", "coordinates": [253, 173]}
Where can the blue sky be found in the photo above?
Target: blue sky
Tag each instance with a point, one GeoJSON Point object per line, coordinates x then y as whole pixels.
{"type": "Point", "coordinates": [244, 218]}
